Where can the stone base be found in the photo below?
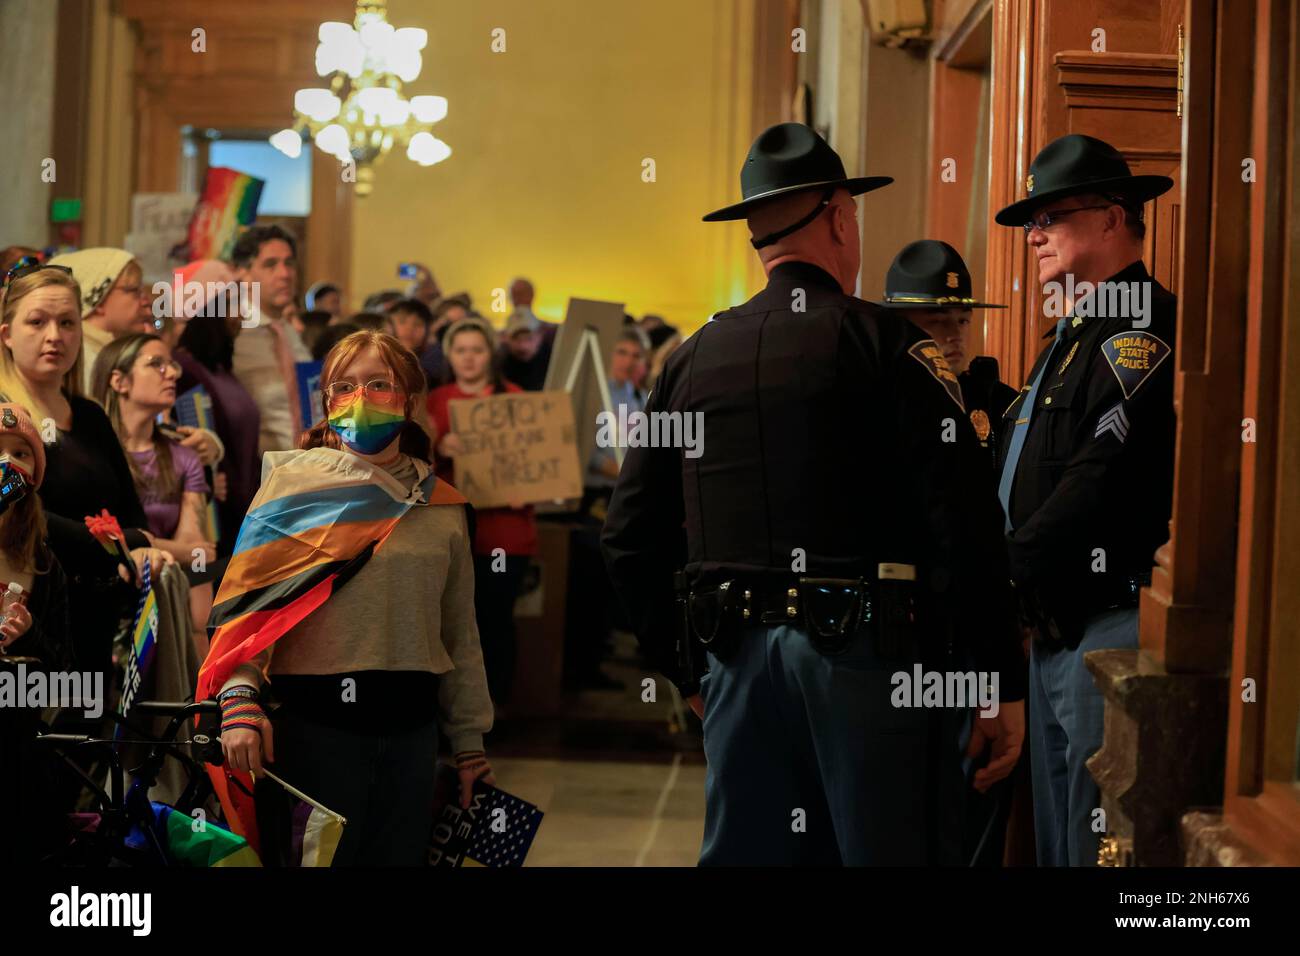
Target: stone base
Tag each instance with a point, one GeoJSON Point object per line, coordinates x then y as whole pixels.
{"type": "Point", "coordinates": [1211, 842]}
{"type": "Point", "coordinates": [1163, 752]}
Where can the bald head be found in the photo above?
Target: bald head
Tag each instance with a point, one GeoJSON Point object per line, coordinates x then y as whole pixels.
{"type": "Point", "coordinates": [830, 241]}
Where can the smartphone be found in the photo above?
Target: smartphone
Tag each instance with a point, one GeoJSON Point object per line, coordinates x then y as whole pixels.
{"type": "Point", "coordinates": [407, 270]}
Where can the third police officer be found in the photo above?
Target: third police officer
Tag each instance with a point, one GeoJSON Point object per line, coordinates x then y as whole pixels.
{"type": "Point", "coordinates": [838, 521]}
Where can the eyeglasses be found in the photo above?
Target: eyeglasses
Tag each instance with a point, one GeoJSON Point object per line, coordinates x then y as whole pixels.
{"type": "Point", "coordinates": [380, 388]}
{"type": "Point", "coordinates": [132, 290]}
{"type": "Point", "coordinates": [1042, 220]}
{"type": "Point", "coordinates": [29, 264]}
{"type": "Point", "coordinates": [162, 365]}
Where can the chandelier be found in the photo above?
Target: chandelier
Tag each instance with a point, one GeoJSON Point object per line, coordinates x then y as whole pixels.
{"type": "Point", "coordinates": [363, 114]}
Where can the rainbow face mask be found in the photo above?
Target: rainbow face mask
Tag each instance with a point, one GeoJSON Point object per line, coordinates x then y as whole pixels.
{"type": "Point", "coordinates": [366, 425]}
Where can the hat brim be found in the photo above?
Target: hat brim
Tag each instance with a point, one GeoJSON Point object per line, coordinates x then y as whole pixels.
{"type": "Point", "coordinates": [741, 210]}
{"type": "Point", "coordinates": [1138, 188]}
{"type": "Point", "coordinates": [937, 306]}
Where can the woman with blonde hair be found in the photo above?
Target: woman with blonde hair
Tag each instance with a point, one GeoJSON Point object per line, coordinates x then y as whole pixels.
{"type": "Point", "coordinates": [86, 471]}
{"type": "Point", "coordinates": [350, 597]}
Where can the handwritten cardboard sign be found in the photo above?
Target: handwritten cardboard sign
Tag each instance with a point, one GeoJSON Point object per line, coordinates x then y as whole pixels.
{"type": "Point", "coordinates": [520, 447]}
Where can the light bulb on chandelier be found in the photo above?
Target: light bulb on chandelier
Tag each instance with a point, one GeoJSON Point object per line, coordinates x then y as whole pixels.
{"type": "Point", "coordinates": [364, 112]}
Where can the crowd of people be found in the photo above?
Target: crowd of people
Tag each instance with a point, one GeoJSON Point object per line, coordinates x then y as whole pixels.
{"type": "Point", "coordinates": [93, 377]}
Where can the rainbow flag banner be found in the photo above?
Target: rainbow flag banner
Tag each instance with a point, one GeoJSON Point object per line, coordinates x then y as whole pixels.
{"type": "Point", "coordinates": [187, 841]}
{"type": "Point", "coordinates": [144, 635]}
{"type": "Point", "coordinates": [318, 517]}
{"type": "Point", "coordinates": [227, 204]}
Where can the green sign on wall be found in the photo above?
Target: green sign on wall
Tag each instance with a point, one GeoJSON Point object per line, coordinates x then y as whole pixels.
{"type": "Point", "coordinates": [65, 210]}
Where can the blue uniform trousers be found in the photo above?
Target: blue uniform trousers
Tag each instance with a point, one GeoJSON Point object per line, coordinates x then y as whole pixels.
{"type": "Point", "coordinates": [810, 764]}
{"type": "Point", "coordinates": [1066, 728]}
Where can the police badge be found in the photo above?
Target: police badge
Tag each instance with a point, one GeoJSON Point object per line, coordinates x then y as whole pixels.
{"type": "Point", "coordinates": [980, 420]}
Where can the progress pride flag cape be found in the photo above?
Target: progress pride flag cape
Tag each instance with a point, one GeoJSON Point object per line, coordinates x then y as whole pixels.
{"type": "Point", "coordinates": [318, 517]}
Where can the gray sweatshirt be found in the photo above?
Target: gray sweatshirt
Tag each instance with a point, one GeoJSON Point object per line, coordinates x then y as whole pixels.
{"type": "Point", "coordinates": [409, 608]}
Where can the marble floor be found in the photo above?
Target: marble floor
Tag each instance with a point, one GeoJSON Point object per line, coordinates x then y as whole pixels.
{"type": "Point", "coordinates": [610, 813]}
{"type": "Point", "coordinates": [620, 780]}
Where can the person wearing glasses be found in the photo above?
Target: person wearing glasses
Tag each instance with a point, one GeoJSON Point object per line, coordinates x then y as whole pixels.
{"type": "Point", "coordinates": [837, 523]}
{"type": "Point", "coordinates": [361, 682]}
{"type": "Point", "coordinates": [135, 381]}
{"type": "Point", "coordinates": [114, 302]}
{"type": "Point", "coordinates": [86, 471]}
{"type": "Point", "coordinates": [1087, 452]}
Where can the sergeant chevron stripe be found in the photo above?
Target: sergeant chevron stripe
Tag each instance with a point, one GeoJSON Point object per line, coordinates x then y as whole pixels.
{"type": "Point", "coordinates": [1114, 421]}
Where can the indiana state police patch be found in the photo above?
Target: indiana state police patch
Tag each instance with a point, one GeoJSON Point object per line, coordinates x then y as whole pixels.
{"type": "Point", "coordinates": [928, 353]}
{"type": "Point", "coordinates": [1133, 356]}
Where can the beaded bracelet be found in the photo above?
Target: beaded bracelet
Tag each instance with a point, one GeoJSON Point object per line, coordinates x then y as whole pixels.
{"type": "Point", "coordinates": [239, 690]}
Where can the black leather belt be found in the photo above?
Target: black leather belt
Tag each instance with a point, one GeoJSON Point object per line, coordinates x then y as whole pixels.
{"type": "Point", "coordinates": [1063, 627]}
{"type": "Point", "coordinates": [829, 610]}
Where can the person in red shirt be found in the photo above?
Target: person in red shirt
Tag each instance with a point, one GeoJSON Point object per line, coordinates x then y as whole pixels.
{"type": "Point", "coordinates": [504, 538]}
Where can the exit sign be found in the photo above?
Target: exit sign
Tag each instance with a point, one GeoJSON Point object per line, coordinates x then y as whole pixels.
{"type": "Point", "coordinates": [65, 210]}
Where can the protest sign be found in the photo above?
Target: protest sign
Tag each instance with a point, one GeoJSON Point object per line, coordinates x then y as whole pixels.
{"type": "Point", "coordinates": [519, 447]}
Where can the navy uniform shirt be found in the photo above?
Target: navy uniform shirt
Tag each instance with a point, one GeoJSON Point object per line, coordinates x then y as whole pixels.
{"type": "Point", "coordinates": [986, 398]}
{"type": "Point", "coordinates": [1094, 483]}
{"type": "Point", "coordinates": [832, 429]}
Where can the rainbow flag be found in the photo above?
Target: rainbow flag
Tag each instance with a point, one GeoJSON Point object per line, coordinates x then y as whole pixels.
{"type": "Point", "coordinates": [186, 841]}
{"type": "Point", "coordinates": [227, 204]}
{"type": "Point", "coordinates": [318, 517]}
{"type": "Point", "coordinates": [144, 635]}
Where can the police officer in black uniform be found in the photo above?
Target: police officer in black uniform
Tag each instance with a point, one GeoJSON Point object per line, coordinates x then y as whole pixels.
{"type": "Point", "coordinates": [1087, 462]}
{"type": "Point", "coordinates": [929, 283]}
{"type": "Point", "coordinates": [831, 537]}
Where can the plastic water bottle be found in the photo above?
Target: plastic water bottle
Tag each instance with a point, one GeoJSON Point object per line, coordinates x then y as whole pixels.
{"type": "Point", "coordinates": [14, 594]}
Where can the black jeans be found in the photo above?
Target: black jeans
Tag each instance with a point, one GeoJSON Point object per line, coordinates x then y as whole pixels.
{"type": "Point", "coordinates": [383, 785]}
{"type": "Point", "coordinates": [494, 609]}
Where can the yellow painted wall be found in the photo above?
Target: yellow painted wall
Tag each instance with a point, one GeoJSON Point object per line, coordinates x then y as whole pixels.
{"type": "Point", "coordinates": [548, 140]}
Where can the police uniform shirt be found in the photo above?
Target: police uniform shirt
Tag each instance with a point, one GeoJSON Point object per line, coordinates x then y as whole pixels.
{"type": "Point", "coordinates": [986, 398]}
{"type": "Point", "coordinates": [834, 437]}
{"type": "Point", "coordinates": [1094, 484]}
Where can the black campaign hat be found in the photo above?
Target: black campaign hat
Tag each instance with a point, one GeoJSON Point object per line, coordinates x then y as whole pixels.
{"type": "Point", "coordinates": [1077, 164]}
{"type": "Point", "coordinates": [787, 158]}
{"type": "Point", "coordinates": [930, 275]}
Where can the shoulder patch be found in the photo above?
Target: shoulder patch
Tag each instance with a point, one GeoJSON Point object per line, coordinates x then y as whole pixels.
{"type": "Point", "coordinates": [928, 353]}
{"type": "Point", "coordinates": [1133, 356]}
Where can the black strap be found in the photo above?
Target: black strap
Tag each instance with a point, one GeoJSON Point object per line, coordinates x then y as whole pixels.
{"type": "Point", "coordinates": [776, 236]}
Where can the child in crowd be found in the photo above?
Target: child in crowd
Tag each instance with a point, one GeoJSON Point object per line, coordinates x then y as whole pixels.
{"type": "Point", "coordinates": [510, 532]}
